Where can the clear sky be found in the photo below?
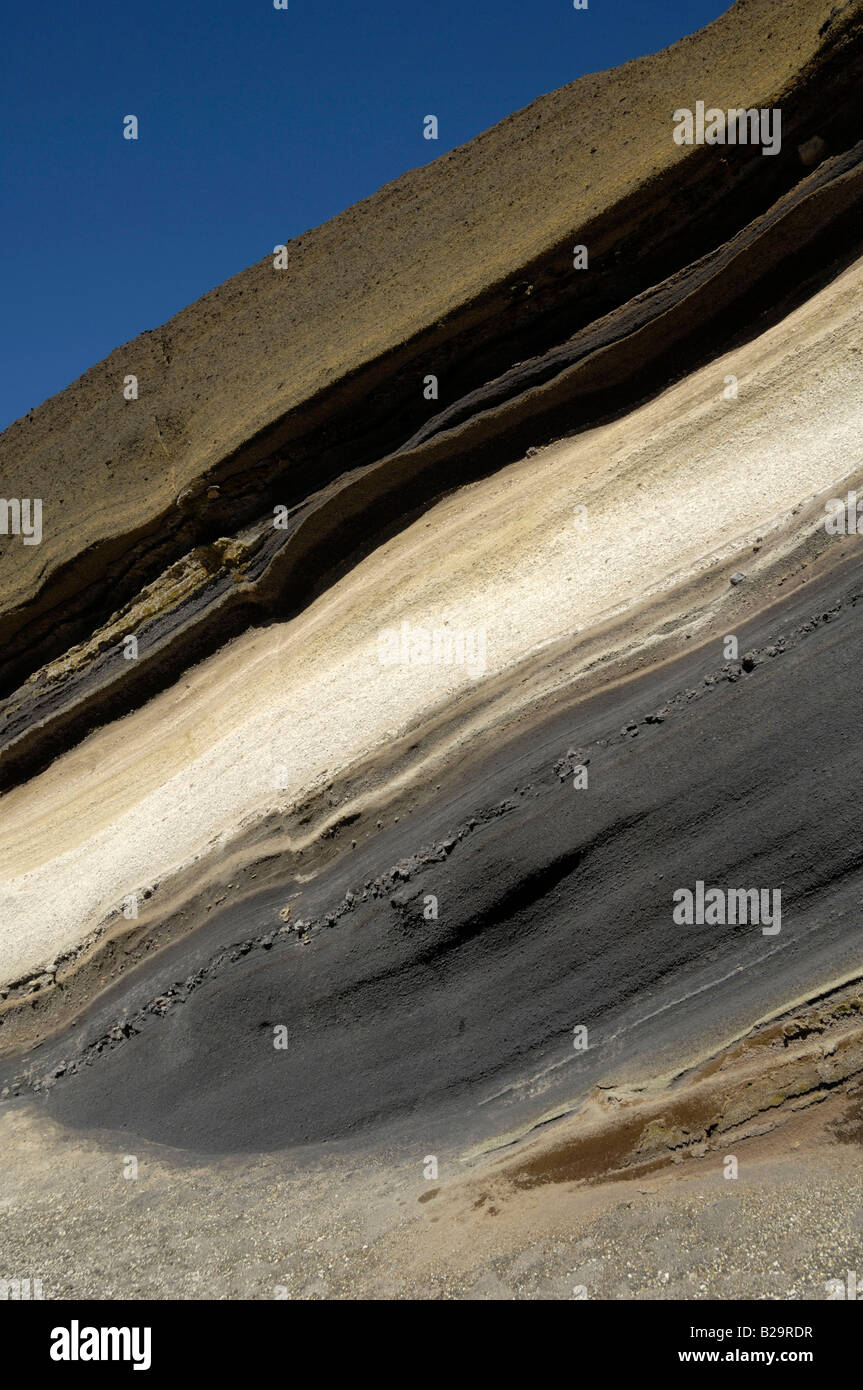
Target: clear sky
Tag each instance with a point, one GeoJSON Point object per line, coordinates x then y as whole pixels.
{"type": "Point", "coordinates": [255, 124]}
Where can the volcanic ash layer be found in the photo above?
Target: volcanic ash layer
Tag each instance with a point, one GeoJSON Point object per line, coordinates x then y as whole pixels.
{"type": "Point", "coordinates": [415, 778]}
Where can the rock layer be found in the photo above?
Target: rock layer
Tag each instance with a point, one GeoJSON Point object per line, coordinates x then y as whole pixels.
{"type": "Point", "coordinates": [429, 874]}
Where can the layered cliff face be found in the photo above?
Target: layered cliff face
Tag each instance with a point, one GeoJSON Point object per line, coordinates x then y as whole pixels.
{"type": "Point", "coordinates": [438, 610]}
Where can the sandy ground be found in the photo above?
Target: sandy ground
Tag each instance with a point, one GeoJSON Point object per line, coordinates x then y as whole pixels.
{"type": "Point", "coordinates": [285, 707]}
{"type": "Point", "coordinates": [367, 1226]}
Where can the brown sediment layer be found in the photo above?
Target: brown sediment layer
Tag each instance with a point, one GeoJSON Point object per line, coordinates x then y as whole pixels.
{"type": "Point", "coordinates": [783, 1065]}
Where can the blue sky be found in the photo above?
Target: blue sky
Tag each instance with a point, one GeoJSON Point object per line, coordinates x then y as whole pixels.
{"type": "Point", "coordinates": [255, 124]}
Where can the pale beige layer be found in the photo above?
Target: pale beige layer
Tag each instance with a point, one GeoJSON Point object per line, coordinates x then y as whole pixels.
{"type": "Point", "coordinates": [670, 491]}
